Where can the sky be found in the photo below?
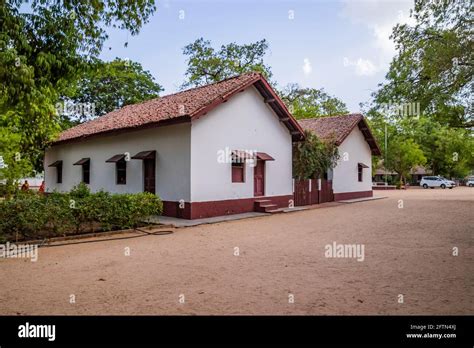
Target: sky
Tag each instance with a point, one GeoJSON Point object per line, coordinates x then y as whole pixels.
{"type": "Point", "coordinates": [342, 46]}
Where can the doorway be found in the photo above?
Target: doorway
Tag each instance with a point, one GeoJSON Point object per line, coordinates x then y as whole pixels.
{"type": "Point", "coordinates": [259, 179]}
{"type": "Point", "coordinates": [149, 175]}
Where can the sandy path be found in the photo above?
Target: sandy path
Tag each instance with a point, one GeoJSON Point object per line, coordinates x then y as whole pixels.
{"type": "Point", "coordinates": [407, 251]}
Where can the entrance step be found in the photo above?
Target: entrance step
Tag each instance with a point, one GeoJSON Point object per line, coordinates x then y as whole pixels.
{"type": "Point", "coordinates": [264, 206]}
{"type": "Point", "coordinates": [274, 211]}
{"type": "Point", "coordinates": [269, 207]}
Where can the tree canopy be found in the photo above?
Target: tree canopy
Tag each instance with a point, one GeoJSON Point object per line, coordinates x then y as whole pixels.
{"type": "Point", "coordinates": [107, 86]}
{"type": "Point", "coordinates": [42, 52]}
{"type": "Point", "coordinates": [434, 65]}
{"type": "Point", "coordinates": [311, 102]}
{"type": "Point", "coordinates": [207, 65]}
{"type": "Point", "coordinates": [432, 73]}
{"type": "Point", "coordinates": [403, 155]}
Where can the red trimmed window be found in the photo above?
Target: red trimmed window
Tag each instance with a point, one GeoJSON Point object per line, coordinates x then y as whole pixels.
{"type": "Point", "coordinates": [237, 172]}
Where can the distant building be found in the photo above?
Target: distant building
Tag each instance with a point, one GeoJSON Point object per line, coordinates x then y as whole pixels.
{"type": "Point", "coordinates": [416, 174]}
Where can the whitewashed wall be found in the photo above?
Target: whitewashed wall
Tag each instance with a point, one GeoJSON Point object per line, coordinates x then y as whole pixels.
{"type": "Point", "coordinates": [345, 178]}
{"type": "Point", "coordinates": [187, 164]}
{"type": "Point", "coordinates": [172, 145]}
{"type": "Point", "coordinates": [245, 122]}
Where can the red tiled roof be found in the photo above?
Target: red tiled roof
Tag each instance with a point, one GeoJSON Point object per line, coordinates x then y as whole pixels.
{"type": "Point", "coordinates": [184, 106]}
{"type": "Point", "coordinates": [339, 127]}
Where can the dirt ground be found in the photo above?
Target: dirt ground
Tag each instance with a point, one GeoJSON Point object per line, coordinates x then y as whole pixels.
{"type": "Point", "coordinates": [408, 251]}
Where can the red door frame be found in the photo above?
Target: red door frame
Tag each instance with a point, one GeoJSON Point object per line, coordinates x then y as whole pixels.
{"type": "Point", "coordinates": [149, 173]}
{"type": "Point", "coordinates": [259, 179]}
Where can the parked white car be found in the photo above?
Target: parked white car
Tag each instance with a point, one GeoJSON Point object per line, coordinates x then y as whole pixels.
{"type": "Point", "coordinates": [436, 181]}
{"type": "Point", "coordinates": [453, 183]}
{"type": "Point", "coordinates": [470, 182]}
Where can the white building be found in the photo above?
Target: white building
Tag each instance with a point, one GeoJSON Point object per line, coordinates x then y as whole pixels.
{"type": "Point", "coordinates": [352, 176]}
{"type": "Point", "coordinates": [224, 148]}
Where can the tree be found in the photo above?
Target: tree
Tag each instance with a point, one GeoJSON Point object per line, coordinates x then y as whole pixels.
{"type": "Point", "coordinates": [403, 155]}
{"type": "Point", "coordinates": [106, 86]}
{"type": "Point", "coordinates": [12, 164]}
{"type": "Point", "coordinates": [206, 65]}
{"type": "Point", "coordinates": [313, 157]}
{"type": "Point", "coordinates": [449, 151]}
{"type": "Point", "coordinates": [434, 64]}
{"type": "Point", "coordinates": [433, 69]}
{"type": "Point", "coordinates": [42, 51]}
{"type": "Point", "coordinates": [311, 102]}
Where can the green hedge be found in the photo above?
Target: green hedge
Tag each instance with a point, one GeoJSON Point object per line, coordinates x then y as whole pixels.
{"type": "Point", "coordinates": [31, 215]}
{"type": "Point", "coordinates": [3, 190]}
{"type": "Point", "coordinates": [8, 190]}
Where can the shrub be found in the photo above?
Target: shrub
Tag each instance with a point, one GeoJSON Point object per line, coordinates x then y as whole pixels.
{"type": "Point", "coordinates": [87, 208]}
{"type": "Point", "coordinates": [59, 214]}
{"type": "Point", "coordinates": [3, 190]}
{"type": "Point", "coordinates": [129, 209]}
{"type": "Point", "coordinates": [80, 191]}
{"type": "Point", "coordinates": [8, 189]}
{"type": "Point", "coordinates": [30, 215]}
{"type": "Point", "coordinates": [144, 205]}
{"type": "Point", "coordinates": [96, 209]}
{"type": "Point", "coordinates": [313, 157]}
{"type": "Point", "coordinates": [23, 215]}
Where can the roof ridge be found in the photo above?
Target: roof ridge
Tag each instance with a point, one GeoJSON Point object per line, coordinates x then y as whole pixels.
{"type": "Point", "coordinates": [196, 101]}
{"type": "Point", "coordinates": [210, 84]}
{"type": "Point", "coordinates": [333, 116]}
{"type": "Point", "coordinates": [187, 90]}
{"type": "Point", "coordinates": [110, 114]}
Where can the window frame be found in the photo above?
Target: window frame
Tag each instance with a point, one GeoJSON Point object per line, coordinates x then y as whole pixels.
{"type": "Point", "coordinates": [59, 173]}
{"type": "Point", "coordinates": [86, 172]}
{"type": "Point", "coordinates": [119, 170]}
{"type": "Point", "coordinates": [360, 173]}
{"type": "Point", "coordinates": [240, 165]}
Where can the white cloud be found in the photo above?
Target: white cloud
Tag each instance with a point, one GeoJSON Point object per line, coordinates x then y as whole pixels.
{"type": "Point", "coordinates": [363, 67]}
{"type": "Point", "coordinates": [379, 16]}
{"type": "Point", "coordinates": [166, 3]}
{"type": "Point", "coordinates": [307, 68]}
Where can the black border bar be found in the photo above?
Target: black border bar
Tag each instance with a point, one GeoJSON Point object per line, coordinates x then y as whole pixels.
{"type": "Point", "coordinates": [220, 330]}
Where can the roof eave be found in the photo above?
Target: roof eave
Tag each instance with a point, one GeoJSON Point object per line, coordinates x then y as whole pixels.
{"type": "Point", "coordinates": [274, 101]}
{"type": "Point", "coordinates": [161, 123]}
{"type": "Point", "coordinates": [369, 137]}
